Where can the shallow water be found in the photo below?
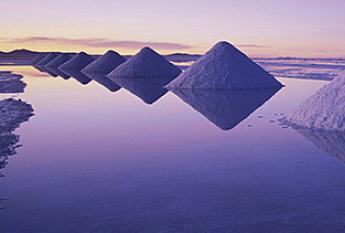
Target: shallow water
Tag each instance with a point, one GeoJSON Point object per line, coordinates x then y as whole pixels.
{"type": "Point", "coordinates": [93, 160]}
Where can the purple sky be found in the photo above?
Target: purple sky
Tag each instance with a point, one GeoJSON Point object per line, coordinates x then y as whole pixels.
{"type": "Point", "coordinates": [268, 27]}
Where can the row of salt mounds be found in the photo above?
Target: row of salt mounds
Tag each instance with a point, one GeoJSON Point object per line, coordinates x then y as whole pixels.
{"type": "Point", "coordinates": [224, 67]}
{"type": "Point", "coordinates": [104, 64]}
{"type": "Point", "coordinates": [46, 59]}
{"type": "Point", "coordinates": [38, 58]}
{"type": "Point", "coordinates": [325, 110]}
{"type": "Point", "coordinates": [78, 62]}
{"type": "Point", "coordinates": [145, 64]}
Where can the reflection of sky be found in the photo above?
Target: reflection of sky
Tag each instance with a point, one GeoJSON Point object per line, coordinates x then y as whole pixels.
{"type": "Point", "coordinates": [269, 28]}
{"type": "Point", "coordinates": [92, 154]}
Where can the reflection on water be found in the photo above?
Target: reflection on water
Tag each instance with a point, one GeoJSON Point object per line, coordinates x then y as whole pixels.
{"type": "Point", "coordinates": [148, 90]}
{"type": "Point", "coordinates": [225, 109]}
{"type": "Point", "coordinates": [56, 71]}
{"type": "Point", "coordinates": [333, 143]}
{"type": "Point", "coordinates": [79, 76]}
{"type": "Point", "coordinates": [13, 113]}
{"type": "Point", "coordinates": [106, 82]}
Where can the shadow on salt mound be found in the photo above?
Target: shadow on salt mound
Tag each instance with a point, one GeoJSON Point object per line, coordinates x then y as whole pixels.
{"type": "Point", "coordinates": [332, 143]}
{"type": "Point", "coordinates": [225, 108]}
{"type": "Point", "coordinates": [79, 76]}
{"type": "Point", "coordinates": [104, 81]}
{"type": "Point", "coordinates": [13, 113]}
{"type": "Point", "coordinates": [148, 90]}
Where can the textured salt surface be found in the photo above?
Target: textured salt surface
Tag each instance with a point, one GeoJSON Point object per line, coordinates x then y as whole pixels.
{"type": "Point", "coordinates": [78, 62]}
{"type": "Point", "coordinates": [225, 108]}
{"type": "Point", "coordinates": [11, 83]}
{"type": "Point", "coordinates": [148, 90]}
{"type": "Point", "coordinates": [325, 110]}
{"type": "Point", "coordinates": [224, 67]}
{"type": "Point", "coordinates": [13, 113]}
{"type": "Point", "coordinates": [104, 64]}
{"type": "Point", "coordinates": [145, 64]}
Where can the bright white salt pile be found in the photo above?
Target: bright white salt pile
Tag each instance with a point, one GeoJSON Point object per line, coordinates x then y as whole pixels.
{"type": "Point", "coordinates": [224, 67]}
{"type": "Point", "coordinates": [104, 64]}
{"type": "Point", "coordinates": [325, 110]}
{"type": "Point", "coordinates": [47, 58]}
{"type": "Point", "coordinates": [58, 61]}
{"type": "Point", "coordinates": [78, 62]}
{"type": "Point", "coordinates": [145, 64]}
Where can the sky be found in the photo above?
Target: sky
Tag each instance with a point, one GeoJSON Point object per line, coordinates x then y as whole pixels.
{"type": "Point", "coordinates": [305, 28]}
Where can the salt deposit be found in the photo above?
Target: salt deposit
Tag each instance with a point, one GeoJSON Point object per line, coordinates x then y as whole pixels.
{"type": "Point", "coordinates": [104, 64]}
{"type": "Point", "coordinates": [325, 110]}
{"type": "Point", "coordinates": [38, 58]}
{"type": "Point", "coordinates": [104, 81]}
{"type": "Point", "coordinates": [11, 83]}
{"type": "Point", "coordinates": [145, 64]}
{"type": "Point", "coordinates": [78, 62]}
{"type": "Point", "coordinates": [46, 59]}
{"type": "Point", "coordinates": [225, 108]}
{"type": "Point", "coordinates": [58, 61]}
{"type": "Point", "coordinates": [79, 76]}
{"type": "Point", "coordinates": [224, 67]}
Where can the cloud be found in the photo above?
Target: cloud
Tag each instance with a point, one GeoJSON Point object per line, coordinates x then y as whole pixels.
{"type": "Point", "coordinates": [252, 46]}
{"type": "Point", "coordinates": [98, 42]}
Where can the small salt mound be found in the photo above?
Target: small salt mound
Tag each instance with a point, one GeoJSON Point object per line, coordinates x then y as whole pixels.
{"type": "Point", "coordinates": [145, 64]}
{"type": "Point", "coordinates": [224, 67]}
{"type": "Point", "coordinates": [46, 59]}
{"type": "Point", "coordinates": [78, 62]}
{"type": "Point", "coordinates": [104, 64]}
{"type": "Point", "coordinates": [325, 110]}
{"type": "Point", "coordinates": [225, 108]}
{"type": "Point", "coordinates": [58, 61]}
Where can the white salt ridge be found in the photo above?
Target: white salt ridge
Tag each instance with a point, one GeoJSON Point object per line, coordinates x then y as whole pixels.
{"type": "Point", "coordinates": [58, 61]}
{"type": "Point", "coordinates": [145, 64]}
{"type": "Point", "coordinates": [104, 64]}
{"type": "Point", "coordinates": [46, 59]}
{"type": "Point", "coordinates": [224, 67]}
{"type": "Point", "coordinates": [325, 110]}
{"type": "Point", "coordinates": [78, 62]}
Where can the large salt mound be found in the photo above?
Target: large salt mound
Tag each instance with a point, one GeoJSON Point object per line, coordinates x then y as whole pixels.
{"type": "Point", "coordinates": [224, 67]}
{"type": "Point", "coordinates": [225, 108]}
{"type": "Point", "coordinates": [78, 62]}
{"type": "Point", "coordinates": [58, 61]}
{"type": "Point", "coordinates": [46, 59]}
{"type": "Point", "coordinates": [325, 110]}
{"type": "Point", "coordinates": [145, 64]}
{"type": "Point", "coordinates": [104, 64]}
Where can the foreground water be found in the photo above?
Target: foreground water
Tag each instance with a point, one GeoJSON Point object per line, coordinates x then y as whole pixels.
{"type": "Point", "coordinates": [93, 160]}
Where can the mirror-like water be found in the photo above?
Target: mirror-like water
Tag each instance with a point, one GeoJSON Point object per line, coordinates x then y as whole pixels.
{"type": "Point", "coordinates": [96, 158]}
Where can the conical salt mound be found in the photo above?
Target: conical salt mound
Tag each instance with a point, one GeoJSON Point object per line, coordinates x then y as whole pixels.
{"type": "Point", "coordinates": [145, 64]}
{"type": "Point", "coordinates": [58, 61]}
{"type": "Point", "coordinates": [225, 108]}
{"type": "Point", "coordinates": [325, 110]}
{"type": "Point", "coordinates": [224, 67]}
{"type": "Point", "coordinates": [104, 64]}
{"type": "Point", "coordinates": [46, 59]}
{"type": "Point", "coordinates": [78, 62]}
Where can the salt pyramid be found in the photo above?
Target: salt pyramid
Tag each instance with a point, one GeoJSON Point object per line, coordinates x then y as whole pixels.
{"type": "Point", "coordinates": [46, 59]}
{"type": "Point", "coordinates": [104, 64]}
{"type": "Point", "coordinates": [78, 62]}
{"type": "Point", "coordinates": [325, 110]}
{"type": "Point", "coordinates": [225, 108]}
{"type": "Point", "coordinates": [58, 61]}
{"type": "Point", "coordinates": [145, 64]}
{"type": "Point", "coordinates": [224, 67]}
